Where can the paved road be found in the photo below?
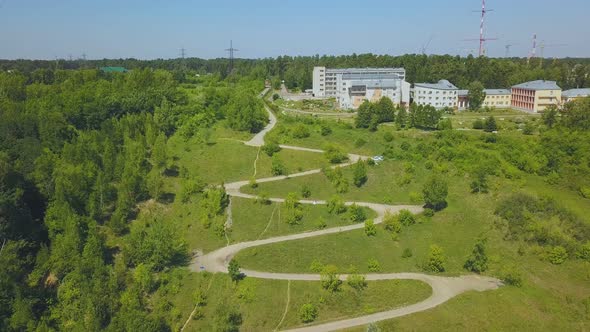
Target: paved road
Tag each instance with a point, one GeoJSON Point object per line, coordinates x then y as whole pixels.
{"type": "Point", "coordinates": [443, 288]}
{"type": "Point", "coordinates": [258, 139]}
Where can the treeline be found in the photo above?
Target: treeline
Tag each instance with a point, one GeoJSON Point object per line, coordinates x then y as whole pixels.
{"type": "Point", "coordinates": [79, 149]}
{"type": "Point", "coordinates": [297, 71]}
{"type": "Point", "coordinates": [371, 114]}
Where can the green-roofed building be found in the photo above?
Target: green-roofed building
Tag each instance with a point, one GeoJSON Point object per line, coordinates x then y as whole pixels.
{"type": "Point", "coordinates": [114, 69]}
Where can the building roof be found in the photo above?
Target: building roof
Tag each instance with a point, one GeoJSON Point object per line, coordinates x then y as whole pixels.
{"type": "Point", "coordinates": [463, 93]}
{"type": "Point", "coordinates": [114, 69]}
{"type": "Point", "coordinates": [366, 70]}
{"type": "Point", "coordinates": [440, 85]}
{"type": "Point", "coordinates": [492, 92]}
{"type": "Point", "coordinates": [376, 84]}
{"type": "Point", "coordinates": [538, 85]}
{"type": "Point", "coordinates": [576, 93]}
{"type": "Point", "coordinates": [371, 76]}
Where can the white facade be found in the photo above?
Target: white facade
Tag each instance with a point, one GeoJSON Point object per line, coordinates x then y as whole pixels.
{"type": "Point", "coordinates": [439, 95]}
{"type": "Point", "coordinates": [352, 86]}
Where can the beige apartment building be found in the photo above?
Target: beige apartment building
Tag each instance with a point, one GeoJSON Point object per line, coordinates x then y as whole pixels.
{"type": "Point", "coordinates": [535, 96]}
{"type": "Point", "coordinates": [495, 98]}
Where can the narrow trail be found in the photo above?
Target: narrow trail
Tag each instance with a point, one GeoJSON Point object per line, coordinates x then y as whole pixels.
{"type": "Point", "coordinates": [286, 305]}
{"type": "Point", "coordinates": [270, 220]}
{"type": "Point", "coordinates": [229, 221]}
{"type": "Point", "coordinates": [256, 161]}
{"type": "Point", "coordinates": [443, 288]}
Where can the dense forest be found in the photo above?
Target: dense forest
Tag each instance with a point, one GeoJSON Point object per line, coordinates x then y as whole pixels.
{"type": "Point", "coordinates": [297, 71]}
{"type": "Point", "coordinates": [78, 150]}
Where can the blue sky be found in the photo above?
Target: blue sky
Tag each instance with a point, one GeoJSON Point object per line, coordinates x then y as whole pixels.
{"type": "Point", "coordinates": [147, 29]}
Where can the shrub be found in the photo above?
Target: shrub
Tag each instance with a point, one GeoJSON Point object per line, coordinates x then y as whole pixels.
{"type": "Point", "coordinates": [528, 129]}
{"type": "Point", "coordinates": [308, 313]}
{"type": "Point", "coordinates": [512, 277]}
{"type": "Point", "coordinates": [557, 255]}
{"type": "Point", "coordinates": [406, 218]}
{"type": "Point", "coordinates": [335, 155]}
{"type": "Point", "coordinates": [321, 223]}
{"type": "Point", "coordinates": [359, 173]}
{"type": "Point", "coordinates": [300, 131]}
{"type": "Point", "coordinates": [336, 205]}
{"type": "Point", "coordinates": [359, 142]}
{"type": "Point", "coordinates": [277, 166]}
{"type": "Point", "coordinates": [275, 96]}
{"type": "Point", "coordinates": [388, 137]}
{"type": "Point", "coordinates": [405, 146]}
{"type": "Point", "coordinates": [436, 259]}
{"type": "Point", "coordinates": [584, 252]}
{"type": "Point", "coordinates": [356, 281]}
{"type": "Point", "coordinates": [234, 270]}
{"type": "Point", "coordinates": [253, 184]}
{"type": "Point", "coordinates": [478, 261]}
{"type": "Point", "coordinates": [373, 265]}
{"type": "Point", "coordinates": [294, 212]}
{"type": "Point", "coordinates": [305, 191]}
{"type": "Point", "coordinates": [490, 125]}
{"type": "Point", "coordinates": [325, 130]}
{"type": "Point", "coordinates": [370, 228]}
{"type": "Point", "coordinates": [478, 124]}
{"type": "Point", "coordinates": [428, 212]}
{"type": "Point", "coordinates": [480, 183]}
{"type": "Point", "coordinates": [415, 197]}
{"type": "Point", "coordinates": [316, 266]}
{"type": "Point", "coordinates": [262, 198]}
{"type": "Point", "coordinates": [407, 253]}
{"type": "Point", "coordinates": [392, 223]}
{"type": "Point", "coordinates": [356, 213]}
{"type": "Point", "coordinates": [329, 278]}
{"type": "Point", "coordinates": [271, 148]}
{"type": "Point", "coordinates": [428, 164]}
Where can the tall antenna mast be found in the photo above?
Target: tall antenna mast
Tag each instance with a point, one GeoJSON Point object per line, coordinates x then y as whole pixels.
{"type": "Point", "coordinates": [182, 52]}
{"type": "Point", "coordinates": [534, 50]}
{"type": "Point", "coordinates": [482, 38]}
{"type": "Point", "coordinates": [231, 51]}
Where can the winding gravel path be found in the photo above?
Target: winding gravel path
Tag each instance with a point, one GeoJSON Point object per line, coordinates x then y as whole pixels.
{"type": "Point", "coordinates": [443, 288]}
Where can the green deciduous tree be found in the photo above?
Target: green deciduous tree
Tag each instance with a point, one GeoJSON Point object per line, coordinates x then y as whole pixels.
{"type": "Point", "coordinates": [356, 213]}
{"type": "Point", "coordinates": [330, 279]}
{"type": "Point", "coordinates": [435, 192]}
{"type": "Point", "coordinates": [359, 172]}
{"type": "Point", "coordinates": [478, 261]}
{"type": "Point", "coordinates": [370, 228]}
{"type": "Point", "coordinates": [308, 312]}
{"type": "Point", "coordinates": [436, 259]}
{"type": "Point", "coordinates": [233, 268]}
{"type": "Point", "coordinates": [356, 281]}
{"type": "Point", "coordinates": [476, 95]}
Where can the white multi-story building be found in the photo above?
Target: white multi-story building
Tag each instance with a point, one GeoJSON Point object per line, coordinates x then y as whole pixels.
{"type": "Point", "coordinates": [439, 95]}
{"type": "Point", "coordinates": [352, 86]}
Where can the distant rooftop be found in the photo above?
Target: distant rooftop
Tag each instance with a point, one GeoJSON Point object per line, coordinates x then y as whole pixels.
{"type": "Point", "coordinates": [440, 85]}
{"type": "Point", "coordinates": [114, 69]}
{"type": "Point", "coordinates": [376, 84]}
{"type": "Point", "coordinates": [493, 92]}
{"type": "Point", "coordinates": [576, 93]}
{"type": "Point", "coordinates": [538, 85]}
{"type": "Point", "coordinates": [366, 70]}
{"type": "Point", "coordinates": [463, 93]}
